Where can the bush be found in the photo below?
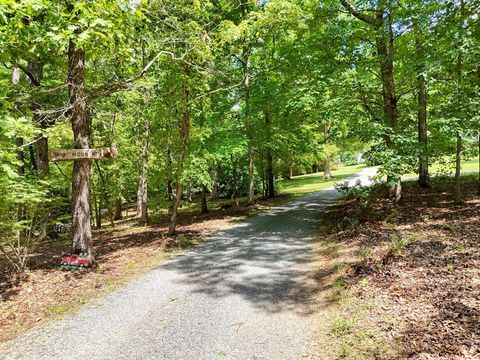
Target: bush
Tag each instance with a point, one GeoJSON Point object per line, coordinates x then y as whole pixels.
{"type": "Point", "coordinates": [361, 195]}
{"type": "Point", "coordinates": [28, 209]}
{"type": "Point", "coordinates": [349, 158]}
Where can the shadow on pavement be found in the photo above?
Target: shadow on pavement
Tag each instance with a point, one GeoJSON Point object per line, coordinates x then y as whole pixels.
{"type": "Point", "coordinates": [265, 259]}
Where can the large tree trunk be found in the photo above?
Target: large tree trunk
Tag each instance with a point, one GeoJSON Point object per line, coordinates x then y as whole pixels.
{"type": "Point", "coordinates": [385, 49]}
{"type": "Point", "coordinates": [423, 176]}
{"type": "Point", "coordinates": [81, 227]}
{"type": "Point", "coordinates": [248, 126]}
{"type": "Point", "coordinates": [327, 172]}
{"type": "Point", "coordinates": [384, 40]}
{"type": "Point", "coordinates": [381, 23]}
{"type": "Point", "coordinates": [203, 204]}
{"type": "Point", "coordinates": [184, 135]}
{"type": "Point", "coordinates": [459, 147]}
{"type": "Point", "coordinates": [142, 201]}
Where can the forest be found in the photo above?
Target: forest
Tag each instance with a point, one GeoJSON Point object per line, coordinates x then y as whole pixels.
{"type": "Point", "coordinates": [221, 98]}
{"type": "Point", "coordinates": [150, 107]}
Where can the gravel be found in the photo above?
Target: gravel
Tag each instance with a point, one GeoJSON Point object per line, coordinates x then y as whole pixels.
{"type": "Point", "coordinates": [244, 294]}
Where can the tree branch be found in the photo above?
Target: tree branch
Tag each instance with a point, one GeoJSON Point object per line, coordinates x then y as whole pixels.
{"type": "Point", "coordinates": [218, 90]}
{"type": "Point", "coordinates": [29, 74]}
{"type": "Point", "coordinates": [122, 85]}
{"type": "Point", "coordinates": [352, 9]}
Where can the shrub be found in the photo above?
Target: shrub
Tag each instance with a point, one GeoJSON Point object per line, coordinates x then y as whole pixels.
{"type": "Point", "coordinates": [361, 195]}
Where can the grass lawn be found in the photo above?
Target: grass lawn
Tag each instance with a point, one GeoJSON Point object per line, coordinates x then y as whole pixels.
{"type": "Point", "coordinates": [297, 185]}
{"type": "Point", "coordinates": [470, 165]}
{"type": "Point", "coordinates": [303, 184]}
{"type": "Point", "coordinates": [467, 166]}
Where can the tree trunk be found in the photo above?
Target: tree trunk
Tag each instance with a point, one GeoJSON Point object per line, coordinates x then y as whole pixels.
{"type": "Point", "coordinates": [35, 69]}
{"type": "Point", "coordinates": [423, 175]}
{"type": "Point", "coordinates": [478, 84]}
{"type": "Point", "coordinates": [96, 207]}
{"type": "Point", "coordinates": [234, 180]}
{"type": "Point", "coordinates": [142, 201]}
{"type": "Point", "coordinates": [478, 87]}
{"type": "Point", "coordinates": [385, 50]}
{"type": "Point", "coordinates": [104, 200]}
{"type": "Point", "coordinates": [264, 181]}
{"type": "Point", "coordinates": [21, 213]}
{"type": "Point", "coordinates": [21, 171]}
{"type": "Point", "coordinates": [41, 154]}
{"type": "Point", "coordinates": [269, 167]}
{"type": "Point", "coordinates": [384, 41]}
{"type": "Point", "coordinates": [270, 177]}
{"type": "Point", "coordinates": [189, 191]}
{"type": "Point", "coordinates": [398, 191]}
{"type": "Point", "coordinates": [457, 195]}
{"type": "Point", "coordinates": [203, 204]}
{"type": "Point", "coordinates": [169, 195]}
{"type": "Point", "coordinates": [118, 208]}
{"type": "Point", "coordinates": [248, 126]}
{"type": "Point", "coordinates": [381, 22]}
{"type": "Point", "coordinates": [81, 227]}
{"type": "Point", "coordinates": [251, 176]}
{"type": "Point", "coordinates": [20, 158]}
{"type": "Point", "coordinates": [184, 135]}
{"type": "Point", "coordinates": [33, 162]}
{"type": "Point", "coordinates": [215, 194]}
{"type": "Point", "coordinates": [478, 191]}
{"type": "Point", "coordinates": [327, 173]}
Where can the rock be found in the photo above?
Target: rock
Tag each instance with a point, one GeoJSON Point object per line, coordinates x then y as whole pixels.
{"type": "Point", "coordinates": [417, 250]}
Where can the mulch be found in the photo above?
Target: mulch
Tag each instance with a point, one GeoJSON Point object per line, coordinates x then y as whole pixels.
{"type": "Point", "coordinates": [421, 258]}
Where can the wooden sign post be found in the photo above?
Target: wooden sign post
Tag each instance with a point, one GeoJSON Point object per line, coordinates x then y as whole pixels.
{"type": "Point", "coordinates": [83, 154]}
{"type": "Point", "coordinates": [82, 159]}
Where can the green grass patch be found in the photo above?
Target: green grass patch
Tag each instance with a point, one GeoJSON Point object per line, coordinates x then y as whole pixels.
{"type": "Point", "coordinates": [303, 184]}
{"type": "Point", "coordinates": [354, 334]}
{"type": "Point", "coordinates": [435, 169]}
{"type": "Point", "coordinates": [58, 310]}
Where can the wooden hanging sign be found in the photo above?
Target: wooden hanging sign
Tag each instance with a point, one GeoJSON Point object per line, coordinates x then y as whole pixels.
{"type": "Point", "coordinates": [83, 154]}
